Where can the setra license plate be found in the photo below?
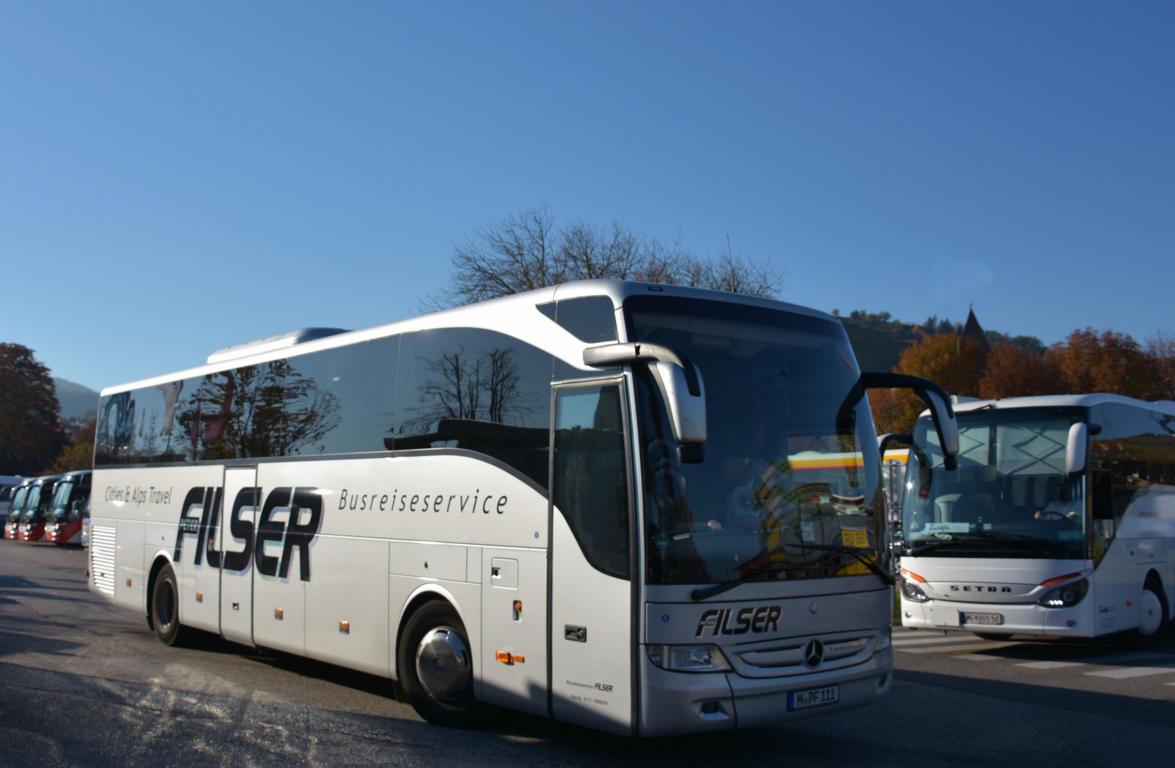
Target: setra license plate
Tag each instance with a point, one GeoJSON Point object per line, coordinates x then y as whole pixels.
{"type": "Point", "coordinates": [984, 619]}
{"type": "Point", "coordinates": [813, 697]}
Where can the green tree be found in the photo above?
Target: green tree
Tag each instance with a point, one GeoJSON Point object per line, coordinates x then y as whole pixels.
{"type": "Point", "coordinates": [79, 454]}
{"type": "Point", "coordinates": [30, 428]}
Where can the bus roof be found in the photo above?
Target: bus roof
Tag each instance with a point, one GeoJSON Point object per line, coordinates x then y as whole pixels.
{"type": "Point", "coordinates": [509, 314]}
{"type": "Point", "coordinates": [1062, 401]}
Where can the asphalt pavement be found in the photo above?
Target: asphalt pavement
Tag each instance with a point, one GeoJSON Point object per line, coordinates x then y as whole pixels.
{"type": "Point", "coordinates": [83, 683]}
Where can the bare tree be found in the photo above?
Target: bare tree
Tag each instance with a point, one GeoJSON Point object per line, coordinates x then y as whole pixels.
{"type": "Point", "coordinates": [1162, 349]}
{"type": "Point", "coordinates": [526, 251]}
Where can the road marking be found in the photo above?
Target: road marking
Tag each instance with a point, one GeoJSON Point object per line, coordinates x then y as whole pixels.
{"type": "Point", "coordinates": [1129, 672]}
{"type": "Point", "coordinates": [975, 657]}
{"type": "Point", "coordinates": [1050, 664]}
{"type": "Point", "coordinates": [956, 648]}
{"type": "Point", "coordinates": [938, 640]}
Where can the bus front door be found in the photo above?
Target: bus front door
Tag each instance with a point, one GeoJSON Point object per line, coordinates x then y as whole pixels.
{"type": "Point", "coordinates": [592, 623]}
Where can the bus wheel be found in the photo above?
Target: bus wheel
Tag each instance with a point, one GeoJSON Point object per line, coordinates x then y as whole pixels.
{"type": "Point", "coordinates": [165, 609]}
{"type": "Point", "coordinates": [436, 666]}
{"type": "Point", "coordinates": [1152, 609]}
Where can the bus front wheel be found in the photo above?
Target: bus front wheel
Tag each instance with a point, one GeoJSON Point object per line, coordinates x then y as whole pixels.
{"type": "Point", "coordinates": [1152, 609]}
{"type": "Point", "coordinates": [165, 609]}
{"type": "Point", "coordinates": [436, 666]}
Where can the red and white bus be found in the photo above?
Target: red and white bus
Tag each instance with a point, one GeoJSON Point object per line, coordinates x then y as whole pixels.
{"type": "Point", "coordinates": [71, 500]}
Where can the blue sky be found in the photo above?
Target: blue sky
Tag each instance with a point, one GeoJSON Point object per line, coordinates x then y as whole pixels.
{"type": "Point", "coordinates": [176, 178]}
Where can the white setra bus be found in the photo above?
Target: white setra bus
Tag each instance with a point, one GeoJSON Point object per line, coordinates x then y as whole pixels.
{"type": "Point", "coordinates": [639, 508]}
{"type": "Point", "coordinates": [1059, 520]}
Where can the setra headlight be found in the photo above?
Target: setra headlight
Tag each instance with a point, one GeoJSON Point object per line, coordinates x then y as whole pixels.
{"type": "Point", "coordinates": [912, 591]}
{"type": "Point", "coordinates": [1065, 596]}
{"type": "Point", "coordinates": [689, 658]}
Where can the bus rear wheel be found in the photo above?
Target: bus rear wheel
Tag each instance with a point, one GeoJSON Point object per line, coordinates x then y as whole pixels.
{"type": "Point", "coordinates": [165, 609]}
{"type": "Point", "coordinates": [436, 666]}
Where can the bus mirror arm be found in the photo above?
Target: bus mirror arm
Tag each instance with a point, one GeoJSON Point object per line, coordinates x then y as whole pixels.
{"type": "Point", "coordinates": [679, 382]}
{"type": "Point", "coordinates": [892, 438]}
{"type": "Point", "coordinates": [936, 399]}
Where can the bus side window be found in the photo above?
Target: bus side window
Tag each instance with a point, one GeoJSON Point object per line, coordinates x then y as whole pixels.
{"type": "Point", "coordinates": [590, 475]}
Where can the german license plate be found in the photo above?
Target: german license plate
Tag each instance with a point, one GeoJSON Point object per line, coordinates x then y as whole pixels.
{"type": "Point", "coordinates": [813, 697]}
{"type": "Point", "coordinates": [985, 619]}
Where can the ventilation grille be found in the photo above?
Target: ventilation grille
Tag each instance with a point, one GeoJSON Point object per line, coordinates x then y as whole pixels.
{"type": "Point", "coordinates": [102, 558]}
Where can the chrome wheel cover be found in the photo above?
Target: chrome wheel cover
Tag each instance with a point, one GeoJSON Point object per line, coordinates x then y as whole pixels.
{"type": "Point", "coordinates": [442, 664]}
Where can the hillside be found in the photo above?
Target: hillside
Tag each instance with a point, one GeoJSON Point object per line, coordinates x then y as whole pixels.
{"type": "Point", "coordinates": [879, 340]}
{"type": "Point", "coordinates": [76, 401]}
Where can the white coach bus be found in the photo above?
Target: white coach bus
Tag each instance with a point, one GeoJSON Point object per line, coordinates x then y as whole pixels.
{"type": "Point", "coordinates": [603, 502]}
{"type": "Point", "coordinates": [1059, 520]}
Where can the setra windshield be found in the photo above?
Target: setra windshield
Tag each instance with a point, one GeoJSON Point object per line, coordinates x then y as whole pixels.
{"type": "Point", "coordinates": [1009, 497]}
{"type": "Point", "coordinates": [789, 484]}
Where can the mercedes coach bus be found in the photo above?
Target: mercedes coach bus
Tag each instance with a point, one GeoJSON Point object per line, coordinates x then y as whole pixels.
{"type": "Point", "coordinates": [639, 508]}
{"type": "Point", "coordinates": [1059, 520]}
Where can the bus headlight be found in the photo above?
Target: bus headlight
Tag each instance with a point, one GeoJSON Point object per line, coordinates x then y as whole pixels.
{"type": "Point", "coordinates": [912, 591]}
{"type": "Point", "coordinates": [1065, 596]}
{"type": "Point", "coordinates": [689, 658]}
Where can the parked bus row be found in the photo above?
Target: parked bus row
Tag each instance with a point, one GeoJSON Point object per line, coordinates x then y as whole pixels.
{"type": "Point", "coordinates": [641, 508]}
{"type": "Point", "coordinates": [50, 508]}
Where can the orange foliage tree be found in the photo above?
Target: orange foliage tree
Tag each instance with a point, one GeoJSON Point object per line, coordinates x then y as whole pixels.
{"type": "Point", "coordinates": [1109, 361]}
{"type": "Point", "coordinates": [1014, 371]}
{"type": "Point", "coordinates": [956, 364]}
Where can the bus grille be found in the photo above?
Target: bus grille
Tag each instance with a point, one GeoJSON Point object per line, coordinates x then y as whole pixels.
{"type": "Point", "coordinates": [102, 559]}
{"type": "Point", "coordinates": [786, 657]}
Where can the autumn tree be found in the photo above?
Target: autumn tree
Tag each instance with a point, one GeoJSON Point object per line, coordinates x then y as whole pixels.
{"type": "Point", "coordinates": [30, 428]}
{"type": "Point", "coordinates": [1015, 371]}
{"type": "Point", "coordinates": [1162, 352]}
{"type": "Point", "coordinates": [528, 250]}
{"type": "Point", "coordinates": [79, 454]}
{"type": "Point", "coordinates": [954, 363]}
{"type": "Point", "coordinates": [1109, 361]}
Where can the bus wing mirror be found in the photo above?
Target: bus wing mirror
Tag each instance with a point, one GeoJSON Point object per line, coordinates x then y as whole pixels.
{"type": "Point", "coordinates": [936, 400]}
{"type": "Point", "coordinates": [1075, 454]}
{"type": "Point", "coordinates": [679, 381]}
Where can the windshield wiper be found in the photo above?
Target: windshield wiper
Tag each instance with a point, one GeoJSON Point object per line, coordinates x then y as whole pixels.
{"type": "Point", "coordinates": [701, 593]}
{"type": "Point", "coordinates": [1039, 543]}
{"type": "Point", "coordinates": [855, 553]}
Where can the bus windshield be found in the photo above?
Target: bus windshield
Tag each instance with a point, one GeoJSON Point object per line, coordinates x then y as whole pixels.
{"type": "Point", "coordinates": [31, 503]}
{"type": "Point", "coordinates": [61, 498]}
{"type": "Point", "coordinates": [18, 499]}
{"type": "Point", "coordinates": [789, 484]}
{"type": "Point", "coordinates": [1009, 497]}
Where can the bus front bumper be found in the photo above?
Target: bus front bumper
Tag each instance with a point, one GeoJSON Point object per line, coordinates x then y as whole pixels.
{"type": "Point", "coordinates": [680, 702]}
{"type": "Point", "coordinates": [1014, 619]}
